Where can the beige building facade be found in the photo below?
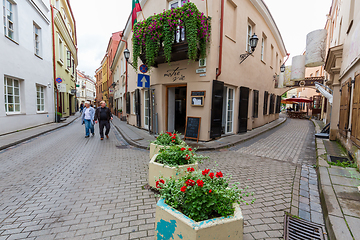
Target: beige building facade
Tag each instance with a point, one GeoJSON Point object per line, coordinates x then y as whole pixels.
{"type": "Point", "coordinates": [343, 69]}
{"type": "Point", "coordinates": [235, 97]}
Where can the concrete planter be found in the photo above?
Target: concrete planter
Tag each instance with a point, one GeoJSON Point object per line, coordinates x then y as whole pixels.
{"type": "Point", "coordinates": [157, 169]}
{"type": "Point", "coordinates": [154, 149]}
{"type": "Point", "coordinates": [172, 224]}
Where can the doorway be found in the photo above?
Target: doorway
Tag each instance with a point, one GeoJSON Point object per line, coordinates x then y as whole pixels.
{"type": "Point", "coordinates": [228, 110]}
{"type": "Point", "coordinates": [176, 109]}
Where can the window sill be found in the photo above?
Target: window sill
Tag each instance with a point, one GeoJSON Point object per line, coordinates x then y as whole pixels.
{"type": "Point", "coordinates": [15, 114]}
{"type": "Point", "coordinates": [12, 40]}
{"type": "Point", "coordinates": [60, 62]}
{"type": "Point", "coordinates": [38, 56]}
{"type": "Point", "coordinates": [230, 38]}
{"type": "Point", "coordinates": [263, 62]}
{"type": "Point", "coordinates": [42, 112]}
{"type": "Point", "coordinates": [271, 67]}
{"type": "Point", "coordinates": [67, 70]}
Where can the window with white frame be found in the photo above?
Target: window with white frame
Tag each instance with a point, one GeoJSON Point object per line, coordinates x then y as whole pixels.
{"type": "Point", "coordinates": [9, 18]}
{"type": "Point", "coordinates": [229, 110]}
{"type": "Point", "coordinates": [175, 4]}
{"type": "Point", "coordinates": [180, 32]}
{"type": "Point", "coordinates": [68, 58]}
{"type": "Point", "coordinates": [133, 102]}
{"type": "Point", "coordinates": [249, 34]}
{"type": "Point", "coordinates": [12, 95]}
{"type": "Point", "coordinates": [40, 98]}
{"type": "Point", "coordinates": [262, 48]}
{"type": "Point", "coordinates": [37, 39]}
{"type": "Point", "coordinates": [61, 49]}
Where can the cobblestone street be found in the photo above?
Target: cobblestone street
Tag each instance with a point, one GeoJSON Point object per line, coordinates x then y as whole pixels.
{"type": "Point", "coordinates": [63, 186]}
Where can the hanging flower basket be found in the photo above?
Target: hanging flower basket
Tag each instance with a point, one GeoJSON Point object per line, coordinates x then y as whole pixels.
{"type": "Point", "coordinates": [160, 31]}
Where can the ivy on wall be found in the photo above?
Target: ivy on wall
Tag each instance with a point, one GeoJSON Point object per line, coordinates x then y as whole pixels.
{"type": "Point", "coordinates": [159, 29]}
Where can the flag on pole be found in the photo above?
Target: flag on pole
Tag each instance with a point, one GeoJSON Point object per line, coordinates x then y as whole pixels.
{"type": "Point", "coordinates": [135, 9]}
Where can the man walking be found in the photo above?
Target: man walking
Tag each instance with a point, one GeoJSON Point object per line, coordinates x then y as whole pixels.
{"type": "Point", "coordinates": [103, 115]}
{"type": "Point", "coordinates": [87, 118]}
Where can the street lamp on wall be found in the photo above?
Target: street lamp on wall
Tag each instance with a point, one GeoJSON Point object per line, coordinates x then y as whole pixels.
{"type": "Point", "coordinates": [127, 57]}
{"type": "Point", "coordinates": [282, 68]}
{"type": "Point", "coordinates": [253, 43]}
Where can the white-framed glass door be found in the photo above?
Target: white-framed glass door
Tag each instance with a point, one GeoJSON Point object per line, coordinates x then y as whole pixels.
{"type": "Point", "coordinates": [146, 108]}
{"type": "Point", "coordinates": [230, 93]}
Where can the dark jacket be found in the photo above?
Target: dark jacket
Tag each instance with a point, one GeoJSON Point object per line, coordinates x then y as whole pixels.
{"type": "Point", "coordinates": [97, 114]}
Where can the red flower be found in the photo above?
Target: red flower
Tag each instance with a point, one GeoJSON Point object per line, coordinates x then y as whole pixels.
{"type": "Point", "coordinates": [190, 169]}
{"type": "Point", "coordinates": [183, 188]}
{"type": "Point", "coordinates": [210, 191]}
{"type": "Point", "coordinates": [190, 149]}
{"type": "Point", "coordinates": [211, 175]}
{"type": "Point", "coordinates": [173, 140]}
{"type": "Point", "coordinates": [190, 182]}
{"type": "Point", "coordinates": [200, 183]}
{"type": "Point", "coordinates": [160, 181]}
{"type": "Point", "coordinates": [183, 149]}
{"type": "Point", "coordinates": [170, 134]}
{"type": "Point", "coordinates": [173, 137]}
{"type": "Point", "coordinates": [205, 172]}
{"type": "Point", "coordinates": [219, 174]}
{"type": "Point", "coordinates": [187, 157]}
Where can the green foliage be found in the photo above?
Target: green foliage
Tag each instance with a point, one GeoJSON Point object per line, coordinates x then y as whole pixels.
{"type": "Point", "coordinates": [343, 164]}
{"type": "Point", "coordinates": [148, 34]}
{"type": "Point", "coordinates": [168, 139]}
{"type": "Point", "coordinates": [202, 195]}
{"type": "Point", "coordinates": [178, 155]}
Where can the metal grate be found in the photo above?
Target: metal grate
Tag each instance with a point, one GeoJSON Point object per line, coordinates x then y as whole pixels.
{"type": "Point", "coordinates": [335, 159]}
{"type": "Point", "coordinates": [299, 229]}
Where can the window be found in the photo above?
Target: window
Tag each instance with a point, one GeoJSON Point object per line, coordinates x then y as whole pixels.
{"type": "Point", "coordinates": [180, 32]}
{"type": "Point", "coordinates": [256, 104]}
{"type": "Point", "coordinates": [40, 99]}
{"type": "Point", "coordinates": [128, 103]}
{"type": "Point", "coordinates": [262, 48]}
{"type": "Point", "coordinates": [272, 56]}
{"type": "Point", "coordinates": [277, 67]}
{"type": "Point", "coordinates": [249, 34]}
{"type": "Point", "coordinates": [317, 73]}
{"type": "Point", "coordinates": [133, 103]}
{"type": "Point", "coordinates": [61, 49]}
{"type": "Point", "coordinates": [175, 4]}
{"type": "Point", "coordinates": [230, 17]}
{"type": "Point", "coordinates": [37, 39]}
{"type": "Point", "coordinates": [311, 75]}
{"type": "Point", "coordinates": [272, 104]}
{"type": "Point", "coordinates": [68, 59]}
{"type": "Point", "coordinates": [12, 95]}
{"type": "Point", "coordinates": [146, 109]}
{"type": "Point", "coordinates": [8, 13]}
{"type": "Point", "coordinates": [73, 65]}
{"type": "Point", "coordinates": [266, 101]}
{"type": "Point", "coordinates": [229, 110]}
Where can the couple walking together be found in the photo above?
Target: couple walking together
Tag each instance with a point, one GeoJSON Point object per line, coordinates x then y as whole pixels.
{"type": "Point", "coordinates": [90, 116]}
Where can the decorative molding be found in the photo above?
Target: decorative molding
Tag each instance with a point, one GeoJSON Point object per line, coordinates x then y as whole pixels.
{"type": "Point", "coordinates": [38, 10]}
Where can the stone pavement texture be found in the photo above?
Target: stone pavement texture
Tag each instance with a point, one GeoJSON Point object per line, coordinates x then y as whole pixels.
{"type": "Point", "coordinates": [141, 138]}
{"type": "Point", "coordinates": [63, 186]}
{"type": "Point", "coordinates": [339, 193]}
{"type": "Point", "coordinates": [11, 139]}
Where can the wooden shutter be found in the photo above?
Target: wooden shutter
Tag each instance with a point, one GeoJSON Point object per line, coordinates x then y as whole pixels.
{"type": "Point", "coordinates": [272, 104]}
{"type": "Point", "coordinates": [344, 108]}
{"type": "Point", "coordinates": [137, 107]}
{"type": "Point", "coordinates": [216, 109]}
{"type": "Point", "coordinates": [355, 121]}
{"type": "Point", "coordinates": [256, 104]}
{"type": "Point", "coordinates": [128, 103]}
{"type": "Point", "coordinates": [266, 103]}
{"type": "Point", "coordinates": [243, 109]}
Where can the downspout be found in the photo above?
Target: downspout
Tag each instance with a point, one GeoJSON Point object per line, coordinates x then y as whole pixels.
{"type": "Point", "coordinates": [221, 39]}
{"type": "Point", "coordinates": [54, 62]}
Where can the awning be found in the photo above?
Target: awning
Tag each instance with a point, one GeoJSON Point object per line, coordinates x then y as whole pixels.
{"type": "Point", "coordinates": [296, 100]}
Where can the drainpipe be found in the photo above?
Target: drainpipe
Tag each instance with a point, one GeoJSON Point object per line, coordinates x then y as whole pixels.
{"type": "Point", "coordinates": [221, 38]}
{"type": "Point", "coordinates": [54, 62]}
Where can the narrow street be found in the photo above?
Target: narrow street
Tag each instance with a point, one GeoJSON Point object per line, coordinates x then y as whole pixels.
{"type": "Point", "coordinates": [63, 186]}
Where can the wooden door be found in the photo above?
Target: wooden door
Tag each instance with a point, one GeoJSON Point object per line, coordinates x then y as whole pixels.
{"type": "Point", "coordinates": [355, 120]}
{"type": "Point", "coordinates": [344, 108]}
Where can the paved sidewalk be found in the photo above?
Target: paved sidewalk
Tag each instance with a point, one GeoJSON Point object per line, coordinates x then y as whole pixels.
{"type": "Point", "coordinates": [11, 139]}
{"type": "Point", "coordinates": [140, 138]}
{"type": "Point", "coordinates": [339, 193]}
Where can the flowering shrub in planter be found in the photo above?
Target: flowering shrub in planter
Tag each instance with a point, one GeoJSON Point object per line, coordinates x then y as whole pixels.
{"type": "Point", "coordinates": [160, 28]}
{"type": "Point", "coordinates": [202, 195]}
{"type": "Point", "coordinates": [199, 205]}
{"type": "Point", "coordinates": [172, 161]}
{"type": "Point", "coordinates": [164, 140]}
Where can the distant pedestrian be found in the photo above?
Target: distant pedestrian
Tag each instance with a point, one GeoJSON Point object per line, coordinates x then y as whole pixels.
{"type": "Point", "coordinates": [81, 107]}
{"type": "Point", "coordinates": [87, 118]}
{"type": "Point", "coordinates": [103, 115]}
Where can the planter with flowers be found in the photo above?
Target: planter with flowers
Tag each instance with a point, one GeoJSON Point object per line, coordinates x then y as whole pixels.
{"type": "Point", "coordinates": [199, 205]}
{"type": "Point", "coordinates": [164, 140]}
{"type": "Point", "coordinates": [172, 162]}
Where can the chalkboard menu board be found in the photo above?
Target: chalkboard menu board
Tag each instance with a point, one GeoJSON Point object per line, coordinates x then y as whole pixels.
{"type": "Point", "coordinates": [192, 130]}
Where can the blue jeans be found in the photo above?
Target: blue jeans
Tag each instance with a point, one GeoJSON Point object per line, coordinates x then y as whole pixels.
{"type": "Point", "coordinates": [88, 127]}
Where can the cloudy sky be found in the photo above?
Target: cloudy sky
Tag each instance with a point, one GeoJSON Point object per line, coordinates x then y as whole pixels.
{"type": "Point", "coordinates": [95, 22]}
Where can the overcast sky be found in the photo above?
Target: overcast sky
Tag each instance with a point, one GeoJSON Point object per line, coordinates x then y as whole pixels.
{"type": "Point", "coordinates": [95, 22]}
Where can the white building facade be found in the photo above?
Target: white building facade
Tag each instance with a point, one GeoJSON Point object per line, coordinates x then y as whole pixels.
{"type": "Point", "coordinates": [85, 88]}
{"type": "Point", "coordinates": [26, 86]}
